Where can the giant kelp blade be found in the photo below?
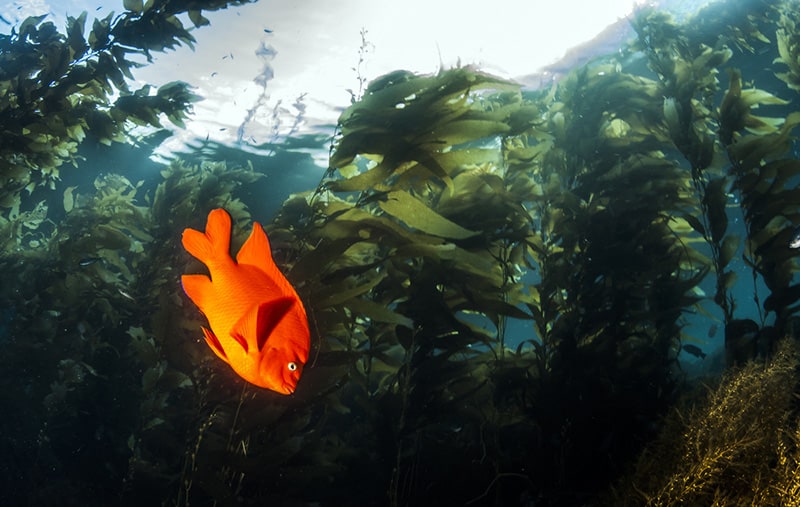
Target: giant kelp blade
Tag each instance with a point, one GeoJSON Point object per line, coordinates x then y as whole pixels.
{"type": "Point", "coordinates": [133, 5]}
{"type": "Point", "coordinates": [338, 295]}
{"type": "Point", "coordinates": [730, 245]}
{"type": "Point", "coordinates": [414, 213]}
{"type": "Point", "coordinates": [378, 312]}
{"type": "Point", "coordinates": [715, 201]}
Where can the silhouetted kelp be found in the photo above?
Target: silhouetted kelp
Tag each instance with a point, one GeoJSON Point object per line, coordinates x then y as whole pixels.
{"type": "Point", "coordinates": [453, 202]}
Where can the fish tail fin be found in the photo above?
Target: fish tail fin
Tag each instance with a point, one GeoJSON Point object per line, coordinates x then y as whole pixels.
{"type": "Point", "coordinates": [215, 242]}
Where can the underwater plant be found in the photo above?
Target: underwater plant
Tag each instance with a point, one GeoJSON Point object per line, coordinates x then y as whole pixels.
{"type": "Point", "coordinates": [737, 445]}
{"type": "Point", "coordinates": [57, 88]}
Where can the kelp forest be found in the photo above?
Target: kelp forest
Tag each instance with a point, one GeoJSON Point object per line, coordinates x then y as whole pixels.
{"type": "Point", "coordinates": [499, 282]}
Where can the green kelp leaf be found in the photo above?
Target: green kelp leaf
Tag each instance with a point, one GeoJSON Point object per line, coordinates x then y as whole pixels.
{"type": "Point", "coordinates": [765, 233]}
{"type": "Point", "coordinates": [106, 236]}
{"type": "Point", "coordinates": [69, 199]}
{"type": "Point", "coordinates": [32, 219]}
{"type": "Point", "coordinates": [787, 55]}
{"type": "Point", "coordinates": [493, 307]}
{"type": "Point", "coordinates": [373, 178]}
{"type": "Point", "coordinates": [735, 110]}
{"type": "Point", "coordinates": [386, 98]}
{"type": "Point", "coordinates": [464, 131]}
{"type": "Point", "coordinates": [397, 155]}
{"type": "Point", "coordinates": [336, 294]}
{"type": "Point", "coordinates": [314, 263]}
{"type": "Point", "coordinates": [695, 224]}
{"type": "Point", "coordinates": [715, 201]}
{"type": "Point", "coordinates": [784, 169]}
{"type": "Point", "coordinates": [133, 5]}
{"type": "Point", "coordinates": [750, 150]}
{"type": "Point", "coordinates": [417, 215]}
{"type": "Point", "coordinates": [481, 266]}
{"type": "Point", "coordinates": [28, 26]}
{"type": "Point", "coordinates": [776, 203]}
{"type": "Point", "coordinates": [426, 159]}
{"type": "Point", "coordinates": [197, 18]}
{"type": "Point", "coordinates": [729, 247]}
{"type": "Point", "coordinates": [379, 312]}
{"type": "Point", "coordinates": [75, 28]}
{"type": "Point", "coordinates": [98, 37]}
{"type": "Point", "coordinates": [455, 159]}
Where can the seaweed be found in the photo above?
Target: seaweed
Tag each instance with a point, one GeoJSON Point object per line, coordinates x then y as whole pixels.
{"type": "Point", "coordinates": [56, 88]}
{"type": "Point", "coordinates": [737, 445]}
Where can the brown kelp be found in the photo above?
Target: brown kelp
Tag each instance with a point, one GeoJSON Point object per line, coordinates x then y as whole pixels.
{"type": "Point", "coordinates": [498, 284]}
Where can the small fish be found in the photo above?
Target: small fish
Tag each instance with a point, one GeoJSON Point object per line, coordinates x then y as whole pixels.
{"type": "Point", "coordinates": [795, 241]}
{"type": "Point", "coordinates": [694, 350]}
{"type": "Point", "coordinates": [88, 261]}
{"type": "Point", "coordinates": [126, 295]}
{"type": "Point", "coordinates": [257, 322]}
{"type": "Point", "coordinates": [267, 30]}
{"type": "Point", "coordinates": [712, 331]}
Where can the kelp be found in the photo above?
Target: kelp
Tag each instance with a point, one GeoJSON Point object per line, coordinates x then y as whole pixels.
{"type": "Point", "coordinates": [788, 42]}
{"type": "Point", "coordinates": [102, 322]}
{"type": "Point", "coordinates": [751, 144]}
{"type": "Point", "coordinates": [58, 88]}
{"type": "Point", "coordinates": [736, 445]}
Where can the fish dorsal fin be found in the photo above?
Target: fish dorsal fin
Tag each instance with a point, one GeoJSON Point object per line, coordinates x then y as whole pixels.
{"type": "Point", "coordinates": [256, 252]}
{"type": "Point", "coordinates": [257, 325]}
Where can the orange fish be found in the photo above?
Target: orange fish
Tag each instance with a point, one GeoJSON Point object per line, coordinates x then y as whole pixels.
{"type": "Point", "coordinates": [258, 323]}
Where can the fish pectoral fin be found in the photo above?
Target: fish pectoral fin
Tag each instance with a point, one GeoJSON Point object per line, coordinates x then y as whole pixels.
{"type": "Point", "coordinates": [256, 326]}
{"type": "Point", "coordinates": [215, 345]}
{"type": "Point", "coordinates": [197, 287]}
{"type": "Point", "coordinates": [241, 340]}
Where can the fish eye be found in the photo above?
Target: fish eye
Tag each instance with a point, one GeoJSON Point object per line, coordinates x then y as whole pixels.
{"type": "Point", "coordinates": [292, 366]}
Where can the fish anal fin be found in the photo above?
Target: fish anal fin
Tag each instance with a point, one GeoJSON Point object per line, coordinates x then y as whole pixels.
{"type": "Point", "coordinates": [215, 345]}
{"type": "Point", "coordinates": [258, 324]}
{"type": "Point", "coordinates": [198, 288]}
